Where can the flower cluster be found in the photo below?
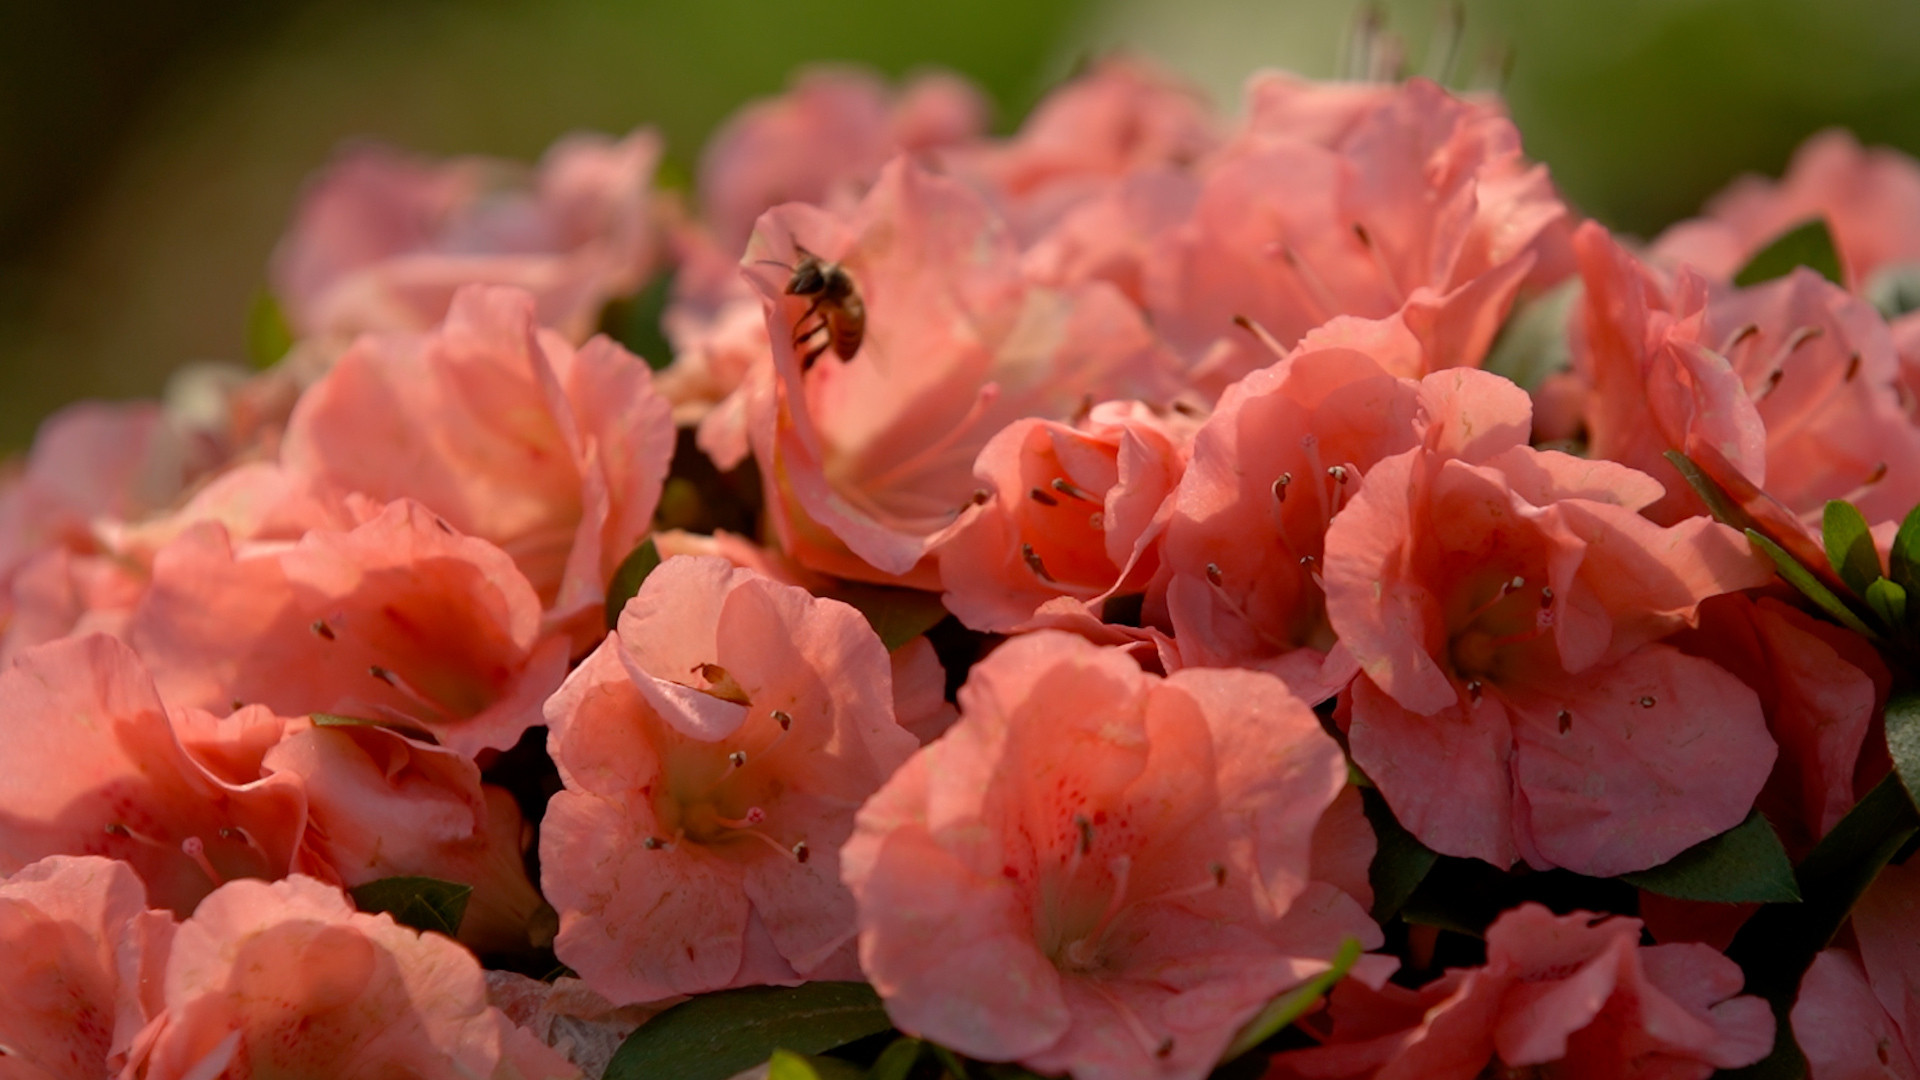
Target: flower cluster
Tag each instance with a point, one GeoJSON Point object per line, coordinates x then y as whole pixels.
{"type": "Point", "coordinates": [1150, 589]}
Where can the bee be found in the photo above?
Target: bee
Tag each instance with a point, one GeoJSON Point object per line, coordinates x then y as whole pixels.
{"type": "Point", "coordinates": [841, 315]}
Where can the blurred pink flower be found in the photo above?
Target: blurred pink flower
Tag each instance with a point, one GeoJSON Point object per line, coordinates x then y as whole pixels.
{"type": "Point", "coordinates": [507, 432]}
{"type": "Point", "coordinates": [1505, 606]}
{"type": "Point", "coordinates": [1425, 200]}
{"type": "Point", "coordinates": [75, 938]}
{"type": "Point", "coordinates": [1858, 1014]}
{"type": "Point", "coordinates": [714, 752]}
{"type": "Point", "coordinates": [286, 979]}
{"type": "Point", "coordinates": [399, 621]}
{"type": "Point", "coordinates": [1573, 996]}
{"type": "Point", "coordinates": [1869, 199]}
{"type": "Point", "coordinates": [1076, 511]}
{"type": "Point", "coordinates": [94, 767]}
{"type": "Point", "coordinates": [1097, 870]}
{"type": "Point", "coordinates": [824, 141]}
{"type": "Point", "coordinates": [382, 241]}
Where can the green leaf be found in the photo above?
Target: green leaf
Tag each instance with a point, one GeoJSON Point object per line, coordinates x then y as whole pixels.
{"type": "Point", "coordinates": [896, 1062]}
{"type": "Point", "coordinates": [1809, 245]}
{"type": "Point", "coordinates": [268, 336]}
{"type": "Point", "coordinates": [1803, 579]}
{"type": "Point", "coordinates": [714, 1036]}
{"type": "Point", "coordinates": [1400, 862]}
{"type": "Point", "coordinates": [1290, 1006]}
{"type": "Point", "coordinates": [423, 903]}
{"type": "Point", "coordinates": [1850, 546]}
{"type": "Point", "coordinates": [1903, 562]}
{"type": "Point", "coordinates": [1776, 945]}
{"type": "Point", "coordinates": [628, 578]}
{"type": "Point", "coordinates": [897, 615]}
{"type": "Point", "coordinates": [635, 322]}
{"type": "Point", "coordinates": [787, 1065]}
{"type": "Point", "coordinates": [1903, 739]}
{"type": "Point", "coordinates": [1889, 602]}
{"type": "Point", "coordinates": [1744, 865]}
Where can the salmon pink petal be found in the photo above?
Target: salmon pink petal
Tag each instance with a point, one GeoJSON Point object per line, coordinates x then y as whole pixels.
{"type": "Point", "coordinates": [96, 769]}
{"type": "Point", "coordinates": [1842, 1028]}
{"type": "Point", "coordinates": [398, 621]}
{"type": "Point", "coordinates": [1446, 774]}
{"type": "Point", "coordinates": [66, 924]}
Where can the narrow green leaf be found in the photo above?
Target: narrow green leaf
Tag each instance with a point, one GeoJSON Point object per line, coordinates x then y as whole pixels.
{"type": "Point", "coordinates": [1724, 507]}
{"type": "Point", "coordinates": [628, 577]}
{"type": "Point", "coordinates": [897, 615]}
{"type": "Point", "coordinates": [1903, 562]}
{"type": "Point", "coordinates": [1903, 739]}
{"type": "Point", "coordinates": [955, 1065]}
{"type": "Point", "coordinates": [714, 1036]}
{"type": "Point", "coordinates": [1803, 579]}
{"type": "Point", "coordinates": [1889, 603]}
{"type": "Point", "coordinates": [1850, 546]}
{"type": "Point", "coordinates": [268, 336]}
{"type": "Point", "coordinates": [1776, 945]}
{"type": "Point", "coordinates": [1400, 862]}
{"type": "Point", "coordinates": [1290, 1006]}
{"type": "Point", "coordinates": [896, 1062]}
{"type": "Point", "coordinates": [787, 1065]}
{"type": "Point", "coordinates": [423, 903]}
{"type": "Point", "coordinates": [1809, 245]}
{"type": "Point", "coordinates": [1744, 865]}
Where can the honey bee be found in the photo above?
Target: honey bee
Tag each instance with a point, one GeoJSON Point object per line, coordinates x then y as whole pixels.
{"type": "Point", "coordinates": [842, 316]}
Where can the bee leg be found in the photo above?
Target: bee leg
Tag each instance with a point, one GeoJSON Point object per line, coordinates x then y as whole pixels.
{"type": "Point", "coordinates": [806, 362]}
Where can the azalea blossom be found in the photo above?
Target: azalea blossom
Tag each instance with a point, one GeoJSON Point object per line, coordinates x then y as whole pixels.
{"type": "Point", "coordinates": [400, 621]}
{"type": "Point", "coordinates": [1573, 996]}
{"type": "Point", "coordinates": [1097, 870]}
{"type": "Point", "coordinates": [714, 751]}
{"type": "Point", "coordinates": [383, 242]}
{"type": "Point", "coordinates": [286, 979]}
{"type": "Point", "coordinates": [554, 454]}
{"type": "Point", "coordinates": [1505, 607]}
{"type": "Point", "coordinates": [76, 944]}
{"type": "Point", "coordinates": [1855, 1015]}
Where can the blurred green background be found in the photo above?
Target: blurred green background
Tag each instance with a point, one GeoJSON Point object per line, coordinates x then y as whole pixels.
{"type": "Point", "coordinates": [153, 148]}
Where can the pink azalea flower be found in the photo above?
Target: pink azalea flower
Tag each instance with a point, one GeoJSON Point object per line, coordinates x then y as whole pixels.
{"type": "Point", "coordinates": [1076, 510]}
{"type": "Point", "coordinates": [719, 334]}
{"type": "Point", "coordinates": [1820, 686]}
{"type": "Point", "coordinates": [1858, 1014]}
{"type": "Point", "coordinates": [868, 462]}
{"type": "Point", "coordinates": [824, 141]}
{"type": "Point", "coordinates": [1870, 200]}
{"type": "Point", "coordinates": [1505, 606]}
{"type": "Point", "coordinates": [74, 939]}
{"type": "Point", "coordinates": [1124, 116]}
{"type": "Point", "coordinates": [94, 767]}
{"type": "Point", "coordinates": [554, 454]}
{"type": "Point", "coordinates": [286, 979]}
{"type": "Point", "coordinates": [1571, 996]}
{"type": "Point", "coordinates": [714, 751]}
{"type": "Point", "coordinates": [1284, 451]}
{"type": "Point", "coordinates": [383, 805]}
{"type": "Point", "coordinates": [1426, 201]}
{"type": "Point", "coordinates": [1097, 870]}
{"type": "Point", "coordinates": [383, 242]}
{"type": "Point", "coordinates": [61, 593]}
{"type": "Point", "coordinates": [400, 621]}
{"type": "Point", "coordinates": [1791, 382]}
